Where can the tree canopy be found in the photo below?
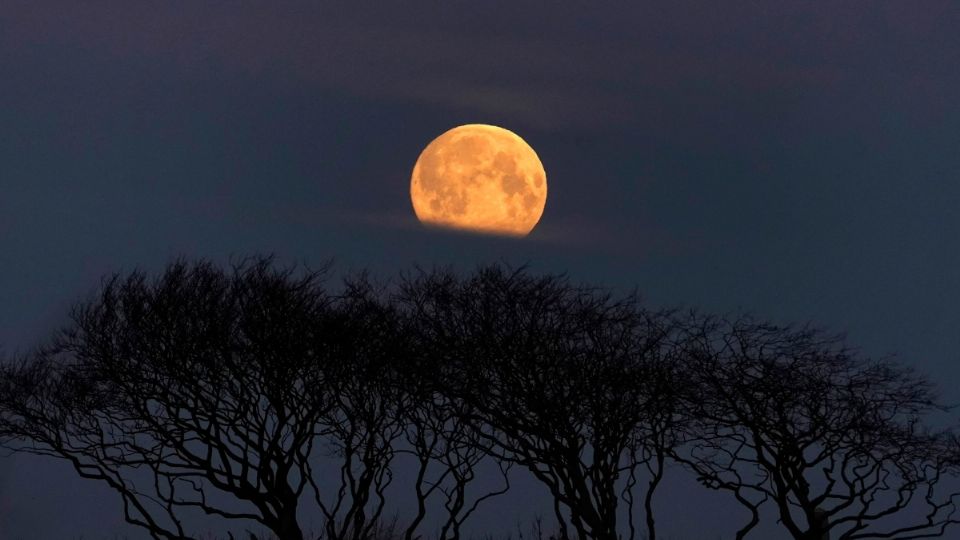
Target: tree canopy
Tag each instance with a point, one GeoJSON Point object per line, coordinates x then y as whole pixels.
{"type": "Point", "coordinates": [257, 393]}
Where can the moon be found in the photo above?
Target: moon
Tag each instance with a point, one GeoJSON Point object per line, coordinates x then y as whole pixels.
{"type": "Point", "coordinates": [479, 178]}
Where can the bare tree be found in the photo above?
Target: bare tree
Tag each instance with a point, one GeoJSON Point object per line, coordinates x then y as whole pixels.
{"type": "Point", "coordinates": [198, 390]}
{"type": "Point", "coordinates": [448, 452]}
{"type": "Point", "coordinates": [661, 429]}
{"type": "Point", "coordinates": [367, 419]}
{"type": "Point", "coordinates": [835, 442]}
{"type": "Point", "coordinates": [388, 407]}
{"type": "Point", "coordinates": [217, 392]}
{"type": "Point", "coordinates": [555, 377]}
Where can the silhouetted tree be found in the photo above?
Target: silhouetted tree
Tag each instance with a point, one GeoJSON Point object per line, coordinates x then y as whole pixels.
{"type": "Point", "coordinates": [449, 453]}
{"type": "Point", "coordinates": [196, 390]}
{"type": "Point", "coordinates": [446, 451]}
{"type": "Point", "coordinates": [367, 417]}
{"type": "Point", "coordinates": [835, 442]}
{"type": "Point", "coordinates": [557, 378]}
{"type": "Point", "coordinates": [220, 392]}
{"type": "Point", "coordinates": [665, 387]}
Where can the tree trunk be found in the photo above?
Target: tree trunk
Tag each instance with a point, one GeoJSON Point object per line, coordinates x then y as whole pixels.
{"type": "Point", "coordinates": [822, 523]}
{"type": "Point", "coordinates": [287, 527]}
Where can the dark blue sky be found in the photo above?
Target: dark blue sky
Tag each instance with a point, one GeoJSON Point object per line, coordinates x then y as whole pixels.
{"type": "Point", "coordinates": [800, 160]}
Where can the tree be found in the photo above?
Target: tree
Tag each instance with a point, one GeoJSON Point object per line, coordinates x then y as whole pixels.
{"type": "Point", "coordinates": [200, 390]}
{"type": "Point", "coordinates": [449, 452]}
{"type": "Point", "coordinates": [837, 443]}
{"type": "Point", "coordinates": [557, 378]}
{"type": "Point", "coordinates": [390, 407]}
{"type": "Point", "coordinates": [367, 418]}
{"type": "Point", "coordinates": [219, 392]}
{"type": "Point", "coordinates": [448, 449]}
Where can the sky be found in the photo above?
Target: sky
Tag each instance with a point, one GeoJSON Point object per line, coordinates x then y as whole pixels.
{"type": "Point", "coordinates": [795, 160]}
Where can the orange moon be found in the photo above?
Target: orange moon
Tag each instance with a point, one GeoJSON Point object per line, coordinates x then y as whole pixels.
{"type": "Point", "coordinates": [479, 178]}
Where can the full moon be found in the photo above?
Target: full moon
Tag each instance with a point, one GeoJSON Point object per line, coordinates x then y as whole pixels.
{"type": "Point", "coordinates": [479, 178]}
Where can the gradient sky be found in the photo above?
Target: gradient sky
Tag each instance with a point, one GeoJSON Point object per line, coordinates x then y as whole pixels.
{"type": "Point", "coordinates": [798, 160]}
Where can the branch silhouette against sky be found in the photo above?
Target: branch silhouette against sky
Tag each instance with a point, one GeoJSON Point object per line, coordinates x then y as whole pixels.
{"type": "Point", "coordinates": [265, 394]}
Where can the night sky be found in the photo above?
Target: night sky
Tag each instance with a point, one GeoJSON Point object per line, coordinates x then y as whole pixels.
{"type": "Point", "coordinates": [797, 160]}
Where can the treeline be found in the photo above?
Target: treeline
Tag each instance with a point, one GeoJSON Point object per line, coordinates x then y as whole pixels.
{"type": "Point", "coordinates": [226, 391]}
